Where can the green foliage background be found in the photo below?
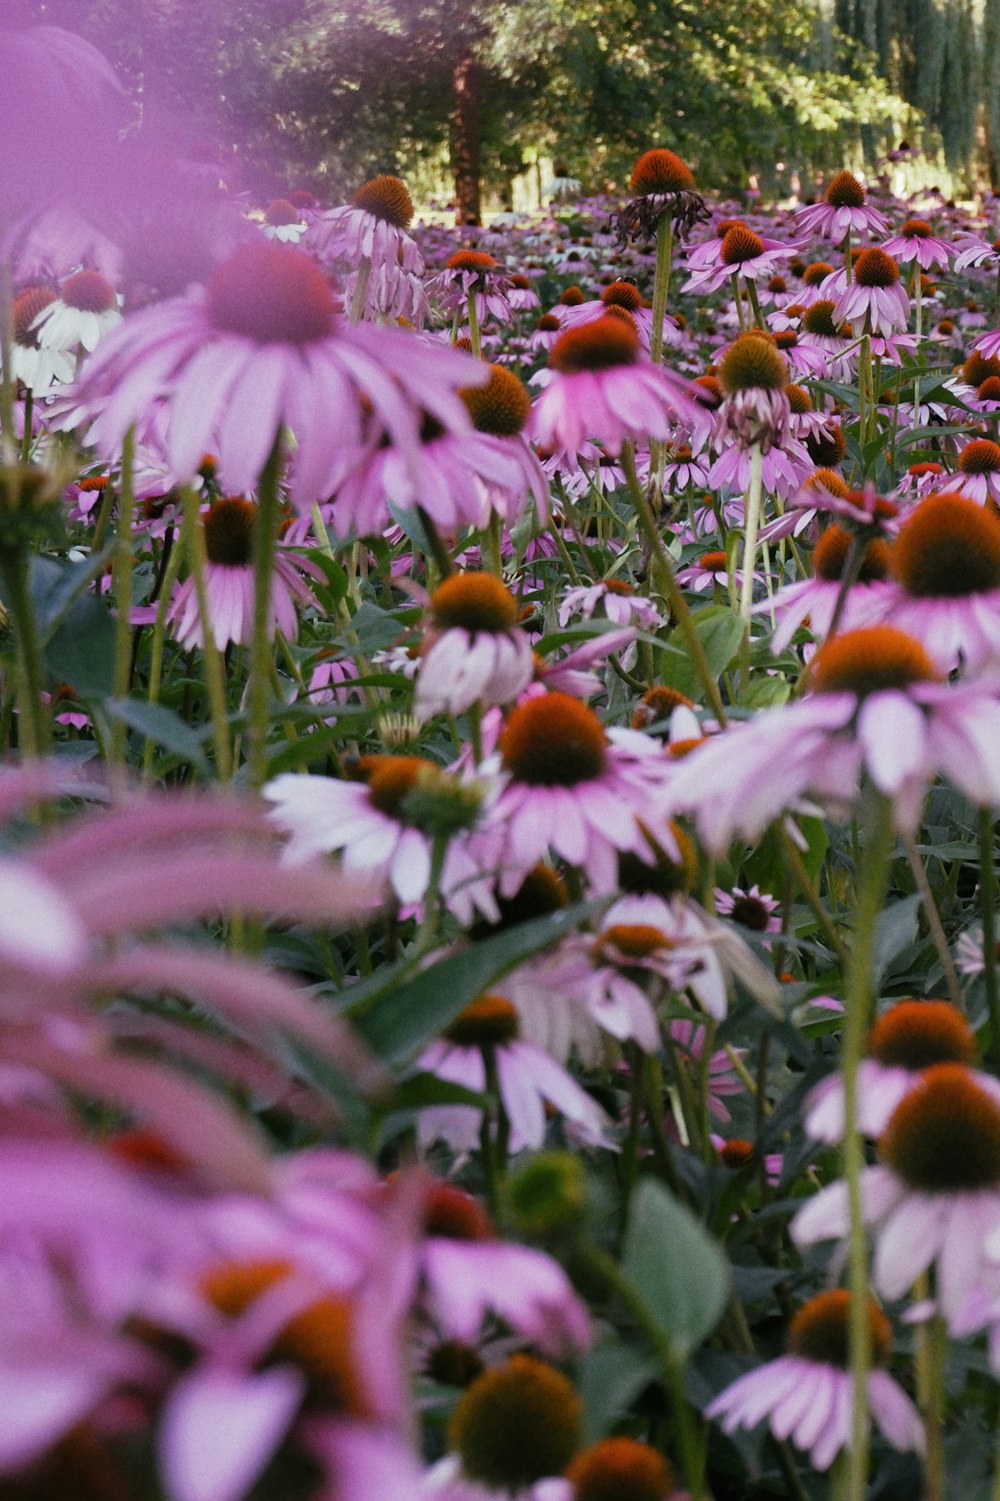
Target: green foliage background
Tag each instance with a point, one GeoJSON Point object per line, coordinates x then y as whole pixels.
{"type": "Point", "coordinates": [338, 89]}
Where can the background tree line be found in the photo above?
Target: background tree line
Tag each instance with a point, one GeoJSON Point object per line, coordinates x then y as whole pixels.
{"type": "Point", "coordinates": [328, 92]}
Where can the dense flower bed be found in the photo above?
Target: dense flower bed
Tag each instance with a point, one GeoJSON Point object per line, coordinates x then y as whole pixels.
{"type": "Point", "coordinates": [498, 940]}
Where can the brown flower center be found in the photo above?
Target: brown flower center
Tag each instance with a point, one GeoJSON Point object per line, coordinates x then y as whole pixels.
{"type": "Point", "coordinates": [500, 407]}
{"type": "Point", "coordinates": [948, 547]}
{"type": "Point", "coordinates": [321, 1340]}
{"type": "Point", "coordinates": [387, 198]}
{"type": "Point", "coordinates": [944, 1136]}
{"type": "Point", "coordinates": [740, 244]}
{"type": "Point", "coordinates": [620, 1469]}
{"type": "Point", "coordinates": [488, 1022]}
{"type": "Point", "coordinates": [474, 602]}
{"type": "Point", "coordinates": [553, 741]}
{"type": "Point", "coordinates": [516, 1424]}
{"type": "Point", "coordinates": [89, 292]}
{"type": "Point", "coordinates": [873, 660]}
{"type": "Point", "coordinates": [844, 191]}
{"type": "Point", "coordinates": [830, 555]}
{"type": "Point", "coordinates": [819, 1331]}
{"type": "Point", "coordinates": [272, 294]}
{"type": "Point", "coordinates": [281, 212]}
{"type": "Point", "coordinates": [752, 363]}
{"type": "Point", "coordinates": [600, 345]}
{"type": "Point", "coordinates": [874, 268]}
{"type": "Point", "coordinates": [916, 1034]}
{"type": "Point", "coordinates": [622, 294]}
{"type": "Point", "coordinates": [661, 171]}
{"type": "Point", "coordinates": [981, 456]}
{"type": "Point", "coordinates": [229, 530]}
{"type": "Point", "coordinates": [454, 1214]}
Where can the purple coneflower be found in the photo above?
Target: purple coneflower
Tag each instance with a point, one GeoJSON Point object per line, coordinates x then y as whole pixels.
{"type": "Point", "coordinates": [934, 1198]}
{"type": "Point", "coordinates": [474, 650]}
{"type": "Point", "coordinates": [229, 529]}
{"type": "Point", "coordinates": [603, 389]}
{"type": "Point", "coordinates": [807, 1395]}
{"type": "Point", "coordinates": [843, 210]}
{"type": "Point", "coordinates": [259, 347]}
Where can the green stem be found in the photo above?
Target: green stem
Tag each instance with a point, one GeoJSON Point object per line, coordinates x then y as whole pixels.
{"type": "Point", "coordinates": [932, 1347]}
{"type": "Point", "coordinates": [873, 880]}
{"type": "Point", "coordinates": [124, 555]}
{"type": "Point", "coordinates": [988, 895]}
{"type": "Point", "coordinates": [360, 290]}
{"type": "Point", "coordinates": [264, 545]}
{"type": "Point", "coordinates": [934, 922]}
{"type": "Point", "coordinates": [849, 575]}
{"type": "Point", "coordinates": [215, 681]}
{"type": "Point", "coordinates": [157, 644]}
{"type": "Point", "coordinates": [690, 1448]}
{"type": "Point", "coordinates": [737, 298]}
{"type": "Point", "coordinates": [35, 729]}
{"type": "Point", "coordinates": [751, 287]}
{"type": "Point", "coordinates": [918, 297]}
{"type": "Point", "coordinates": [751, 524]}
{"type": "Point", "coordinates": [670, 587]}
{"type": "Point", "coordinates": [440, 553]}
{"type": "Point", "coordinates": [475, 339]}
{"type": "Point", "coordinates": [26, 436]}
{"type": "Point", "coordinates": [661, 284]}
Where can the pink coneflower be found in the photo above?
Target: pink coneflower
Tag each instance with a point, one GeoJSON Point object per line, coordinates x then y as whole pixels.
{"type": "Point", "coordinates": [709, 571]}
{"type": "Point", "coordinates": [229, 528]}
{"type": "Point", "coordinates": [946, 558]}
{"type": "Point", "coordinates": [875, 298]}
{"type": "Point", "coordinates": [513, 1433]}
{"type": "Point", "coordinates": [528, 1079]}
{"type": "Point", "coordinates": [844, 211]}
{"type": "Point", "coordinates": [260, 346]}
{"type": "Point", "coordinates": [753, 375]}
{"type": "Point", "coordinates": [623, 1468]}
{"type": "Point", "coordinates": [740, 251]}
{"type": "Point", "coordinates": [85, 310]}
{"type": "Point", "coordinates": [978, 475]}
{"type": "Point", "coordinates": [372, 230]}
{"type": "Point", "coordinates": [808, 1395]}
{"type": "Point", "coordinates": [905, 1041]}
{"type": "Point", "coordinates": [371, 819]}
{"type": "Point", "coordinates": [621, 294]}
{"type": "Point", "coordinates": [471, 1273]}
{"type": "Point", "coordinates": [974, 251]}
{"type": "Point", "coordinates": [283, 222]}
{"type": "Point", "coordinates": [472, 274]}
{"type": "Point", "coordinates": [988, 345]}
{"type": "Point", "coordinates": [602, 389]}
{"type": "Point", "coordinates": [573, 788]}
{"type": "Point", "coordinates": [867, 600]}
{"type": "Point", "coordinates": [823, 330]}
{"type": "Point", "coordinates": [934, 1199]}
{"type": "Point", "coordinates": [752, 908]}
{"type": "Point", "coordinates": [916, 241]}
{"type": "Point", "coordinates": [36, 367]}
{"type": "Point", "coordinates": [877, 707]}
{"type": "Point", "coordinates": [615, 599]}
{"type": "Point", "coordinates": [475, 650]}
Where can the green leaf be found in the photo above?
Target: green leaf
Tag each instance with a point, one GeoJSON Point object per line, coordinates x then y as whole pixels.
{"type": "Point", "coordinates": [422, 1090]}
{"type": "Point", "coordinates": [404, 1021]}
{"type": "Point", "coordinates": [895, 930]}
{"type": "Point", "coordinates": [162, 726]}
{"type": "Point", "coordinates": [376, 629]}
{"type": "Point", "coordinates": [720, 631]}
{"type": "Point", "coordinates": [81, 651]}
{"type": "Point", "coordinates": [612, 1376]}
{"type": "Point", "coordinates": [679, 1271]}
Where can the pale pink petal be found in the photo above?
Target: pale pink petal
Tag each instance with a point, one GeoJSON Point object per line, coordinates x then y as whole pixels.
{"type": "Point", "coordinates": [220, 1428]}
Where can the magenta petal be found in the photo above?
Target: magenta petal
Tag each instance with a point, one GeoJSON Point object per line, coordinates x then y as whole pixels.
{"type": "Point", "coordinates": [220, 1429]}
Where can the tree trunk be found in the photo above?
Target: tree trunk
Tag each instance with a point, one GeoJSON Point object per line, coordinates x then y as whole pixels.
{"type": "Point", "coordinates": [466, 153]}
